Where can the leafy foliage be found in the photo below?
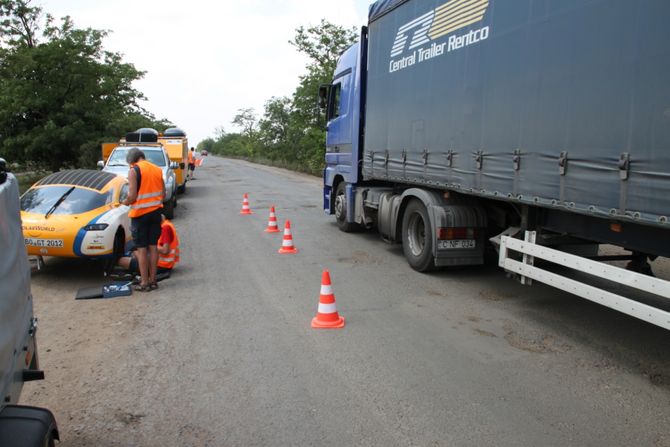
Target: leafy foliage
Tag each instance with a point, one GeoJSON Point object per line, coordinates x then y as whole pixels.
{"type": "Point", "coordinates": [289, 132]}
{"type": "Point", "coordinates": [61, 93]}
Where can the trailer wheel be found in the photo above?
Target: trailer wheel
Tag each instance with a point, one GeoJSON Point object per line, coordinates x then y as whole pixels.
{"type": "Point", "coordinates": [341, 210]}
{"type": "Point", "coordinates": [417, 237]}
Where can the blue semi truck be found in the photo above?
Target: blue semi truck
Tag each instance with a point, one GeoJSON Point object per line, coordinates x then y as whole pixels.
{"type": "Point", "coordinates": [520, 129]}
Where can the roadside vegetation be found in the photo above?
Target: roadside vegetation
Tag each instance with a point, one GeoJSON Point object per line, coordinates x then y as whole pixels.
{"type": "Point", "coordinates": [289, 132]}
{"type": "Point", "coordinates": [61, 92]}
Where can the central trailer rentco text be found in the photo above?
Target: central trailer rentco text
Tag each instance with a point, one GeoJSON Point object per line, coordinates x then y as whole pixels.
{"type": "Point", "coordinates": [534, 129]}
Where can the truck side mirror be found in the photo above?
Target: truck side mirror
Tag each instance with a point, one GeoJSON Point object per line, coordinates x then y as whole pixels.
{"type": "Point", "coordinates": [174, 165]}
{"type": "Point", "coordinates": [101, 164]}
{"type": "Point", "coordinates": [324, 92]}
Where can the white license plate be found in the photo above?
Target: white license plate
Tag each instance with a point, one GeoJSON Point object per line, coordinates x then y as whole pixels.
{"type": "Point", "coordinates": [50, 243]}
{"type": "Point", "coordinates": [452, 245]}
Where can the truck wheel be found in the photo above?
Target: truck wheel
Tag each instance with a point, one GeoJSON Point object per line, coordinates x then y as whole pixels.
{"type": "Point", "coordinates": [168, 209]}
{"type": "Point", "coordinates": [341, 210]}
{"type": "Point", "coordinates": [182, 188]}
{"type": "Point", "coordinates": [417, 237]}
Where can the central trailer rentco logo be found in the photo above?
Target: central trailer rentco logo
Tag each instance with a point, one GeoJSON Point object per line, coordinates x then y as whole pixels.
{"type": "Point", "coordinates": [415, 41]}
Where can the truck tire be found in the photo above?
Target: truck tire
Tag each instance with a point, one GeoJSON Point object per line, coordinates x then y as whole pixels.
{"type": "Point", "coordinates": [341, 210]}
{"type": "Point", "coordinates": [417, 237]}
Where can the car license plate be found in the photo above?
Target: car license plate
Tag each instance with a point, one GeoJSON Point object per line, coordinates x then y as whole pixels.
{"type": "Point", "coordinates": [49, 243]}
{"type": "Point", "coordinates": [456, 244]}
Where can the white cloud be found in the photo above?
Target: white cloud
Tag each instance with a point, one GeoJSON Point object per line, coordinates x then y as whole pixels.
{"type": "Point", "coordinates": [204, 60]}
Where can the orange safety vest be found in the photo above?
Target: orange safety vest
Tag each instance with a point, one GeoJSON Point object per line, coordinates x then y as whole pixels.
{"type": "Point", "coordinates": [150, 194]}
{"type": "Point", "coordinates": [191, 158]}
{"type": "Point", "coordinates": [169, 260]}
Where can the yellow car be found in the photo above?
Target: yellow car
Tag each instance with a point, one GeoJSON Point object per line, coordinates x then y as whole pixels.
{"type": "Point", "coordinates": [76, 213]}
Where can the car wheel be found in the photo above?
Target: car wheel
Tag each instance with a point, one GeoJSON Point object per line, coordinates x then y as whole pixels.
{"type": "Point", "coordinates": [417, 237]}
{"type": "Point", "coordinates": [118, 250]}
{"type": "Point", "coordinates": [341, 210]}
{"type": "Point", "coordinates": [168, 209]}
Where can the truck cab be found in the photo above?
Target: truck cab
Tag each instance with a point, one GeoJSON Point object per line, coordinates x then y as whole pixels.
{"type": "Point", "coordinates": [342, 100]}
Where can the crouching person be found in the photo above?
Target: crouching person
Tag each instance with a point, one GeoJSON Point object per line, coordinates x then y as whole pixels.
{"type": "Point", "coordinates": [168, 252]}
{"type": "Point", "coordinates": [168, 246]}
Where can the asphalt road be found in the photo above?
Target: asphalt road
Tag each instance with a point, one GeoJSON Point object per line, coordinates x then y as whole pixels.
{"type": "Point", "coordinates": [224, 355]}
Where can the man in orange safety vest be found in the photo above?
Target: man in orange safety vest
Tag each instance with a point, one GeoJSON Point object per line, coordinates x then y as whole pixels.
{"type": "Point", "coordinates": [146, 191]}
{"type": "Point", "coordinates": [168, 251]}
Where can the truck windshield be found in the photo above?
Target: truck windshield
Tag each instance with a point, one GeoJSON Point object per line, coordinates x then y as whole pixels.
{"type": "Point", "coordinates": [41, 200]}
{"type": "Point", "coordinates": [118, 157]}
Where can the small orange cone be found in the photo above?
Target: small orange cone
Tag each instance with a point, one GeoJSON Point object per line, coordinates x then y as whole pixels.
{"type": "Point", "coordinates": [327, 316]}
{"type": "Point", "coordinates": [287, 244]}
{"type": "Point", "coordinates": [272, 222]}
{"type": "Point", "coordinates": [245, 205]}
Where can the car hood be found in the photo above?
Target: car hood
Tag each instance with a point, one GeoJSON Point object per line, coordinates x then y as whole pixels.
{"type": "Point", "coordinates": [118, 170]}
{"type": "Point", "coordinates": [123, 171]}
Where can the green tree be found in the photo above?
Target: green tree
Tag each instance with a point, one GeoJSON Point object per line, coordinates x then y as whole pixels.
{"type": "Point", "coordinates": [18, 23]}
{"type": "Point", "coordinates": [207, 145]}
{"type": "Point", "coordinates": [247, 121]}
{"type": "Point", "coordinates": [61, 93]}
{"type": "Point", "coordinates": [273, 128]}
{"type": "Point", "coordinates": [289, 130]}
{"type": "Point", "coordinates": [323, 44]}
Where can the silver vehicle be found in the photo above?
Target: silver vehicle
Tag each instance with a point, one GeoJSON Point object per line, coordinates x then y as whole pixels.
{"type": "Point", "coordinates": [154, 152]}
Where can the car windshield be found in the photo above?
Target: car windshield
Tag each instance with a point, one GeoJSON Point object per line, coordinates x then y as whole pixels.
{"type": "Point", "coordinates": [118, 157]}
{"type": "Point", "coordinates": [41, 200]}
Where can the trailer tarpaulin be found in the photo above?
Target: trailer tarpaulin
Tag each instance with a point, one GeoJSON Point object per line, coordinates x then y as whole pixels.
{"type": "Point", "coordinates": [16, 307]}
{"type": "Point", "coordinates": [558, 104]}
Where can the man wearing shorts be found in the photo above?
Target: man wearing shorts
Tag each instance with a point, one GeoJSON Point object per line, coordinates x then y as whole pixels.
{"type": "Point", "coordinates": [146, 191]}
{"type": "Point", "coordinates": [191, 163]}
{"type": "Point", "coordinates": [168, 251]}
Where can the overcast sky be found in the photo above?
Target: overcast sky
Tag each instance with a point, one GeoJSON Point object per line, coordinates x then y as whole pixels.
{"type": "Point", "coordinates": [203, 59]}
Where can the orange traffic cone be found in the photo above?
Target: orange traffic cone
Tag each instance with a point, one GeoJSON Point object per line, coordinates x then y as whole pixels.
{"type": "Point", "coordinates": [327, 316]}
{"type": "Point", "coordinates": [287, 244]}
{"type": "Point", "coordinates": [245, 205]}
{"type": "Point", "coordinates": [272, 222]}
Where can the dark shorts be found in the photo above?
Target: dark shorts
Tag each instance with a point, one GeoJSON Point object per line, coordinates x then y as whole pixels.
{"type": "Point", "coordinates": [146, 229]}
{"type": "Point", "coordinates": [191, 166]}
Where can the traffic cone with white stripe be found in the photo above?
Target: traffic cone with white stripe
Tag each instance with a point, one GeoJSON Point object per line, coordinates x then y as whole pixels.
{"type": "Point", "coordinates": [272, 222]}
{"type": "Point", "coordinates": [327, 316]}
{"type": "Point", "coordinates": [245, 205]}
{"type": "Point", "coordinates": [287, 244]}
